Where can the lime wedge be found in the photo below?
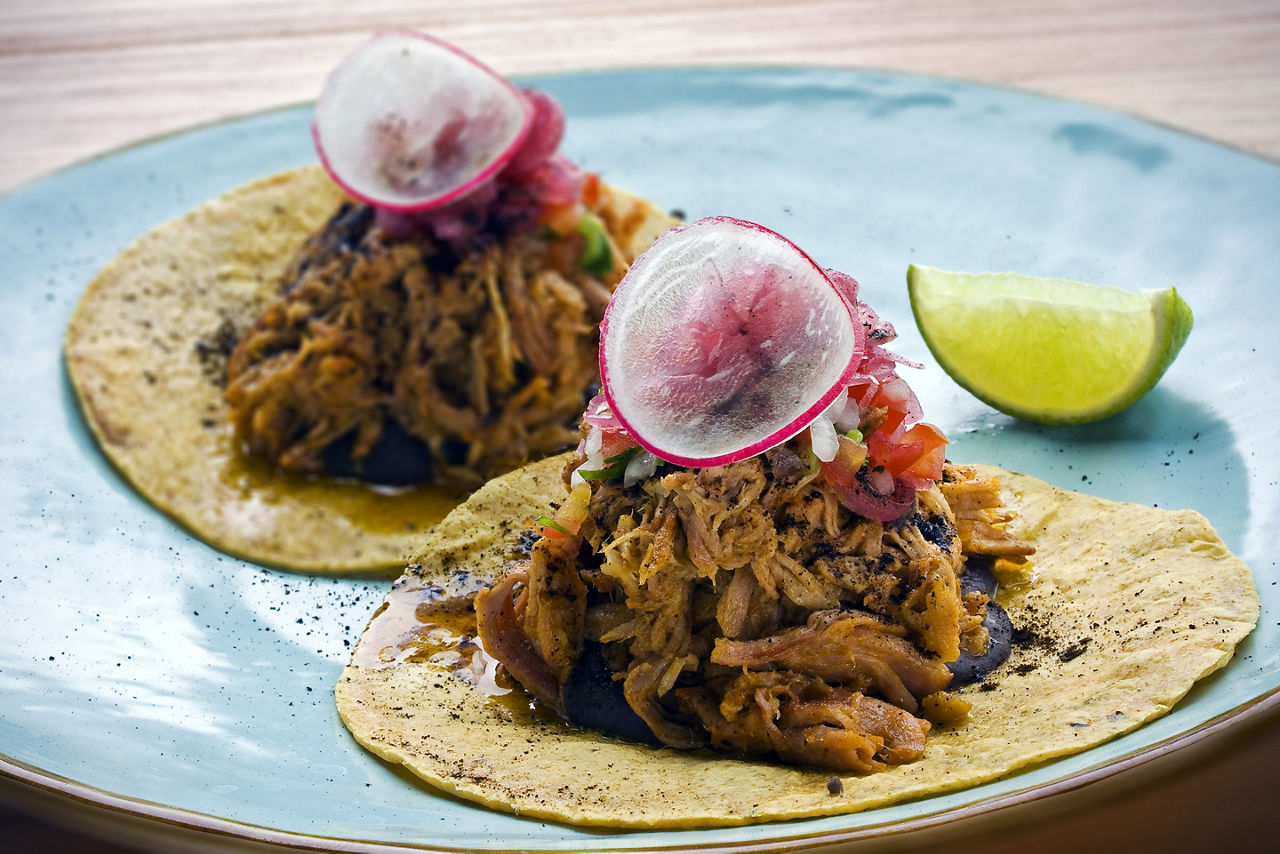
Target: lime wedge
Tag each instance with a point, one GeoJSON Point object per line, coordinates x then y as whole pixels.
{"type": "Point", "coordinates": [1047, 350]}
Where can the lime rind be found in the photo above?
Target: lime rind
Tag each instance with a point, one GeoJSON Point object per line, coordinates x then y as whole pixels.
{"type": "Point", "coordinates": [1051, 351]}
{"type": "Point", "coordinates": [1176, 316]}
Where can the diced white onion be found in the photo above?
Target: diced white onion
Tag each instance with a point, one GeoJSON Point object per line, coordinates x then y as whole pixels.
{"type": "Point", "coordinates": [639, 467]}
{"type": "Point", "coordinates": [595, 441]}
{"type": "Point", "coordinates": [881, 481]}
{"type": "Point", "coordinates": [848, 417]}
{"type": "Point", "coordinates": [592, 446]}
{"type": "Point", "coordinates": [822, 436]}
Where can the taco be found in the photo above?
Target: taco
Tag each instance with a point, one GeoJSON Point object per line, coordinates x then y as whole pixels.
{"type": "Point", "coordinates": [309, 380]}
{"type": "Point", "coordinates": [1128, 606]}
{"type": "Point", "coordinates": [809, 628]}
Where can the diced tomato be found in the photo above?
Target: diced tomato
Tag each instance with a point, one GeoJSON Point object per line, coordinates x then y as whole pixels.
{"type": "Point", "coordinates": [553, 533]}
{"type": "Point", "coordinates": [892, 423]}
{"type": "Point", "coordinates": [861, 391]}
{"type": "Point", "coordinates": [893, 456]}
{"type": "Point", "coordinates": [902, 459]}
{"type": "Point", "coordinates": [615, 442]}
{"type": "Point", "coordinates": [843, 469]}
{"type": "Point", "coordinates": [562, 218]}
{"type": "Point", "coordinates": [614, 438]}
{"type": "Point", "coordinates": [915, 458]}
{"type": "Point", "coordinates": [896, 397]}
{"type": "Point", "coordinates": [590, 193]}
{"type": "Point", "coordinates": [894, 394]}
{"type": "Point", "coordinates": [929, 464]}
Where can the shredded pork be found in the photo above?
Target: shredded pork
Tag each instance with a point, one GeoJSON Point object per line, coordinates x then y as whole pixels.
{"type": "Point", "coordinates": [484, 356]}
{"type": "Point", "coordinates": [744, 606]}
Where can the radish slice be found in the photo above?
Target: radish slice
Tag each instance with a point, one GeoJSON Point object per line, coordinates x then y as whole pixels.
{"type": "Point", "coordinates": [723, 340]}
{"type": "Point", "coordinates": [408, 122]}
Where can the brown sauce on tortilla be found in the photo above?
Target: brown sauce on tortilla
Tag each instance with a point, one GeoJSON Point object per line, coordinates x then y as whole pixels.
{"type": "Point", "coordinates": [427, 624]}
{"type": "Point", "coordinates": [381, 510]}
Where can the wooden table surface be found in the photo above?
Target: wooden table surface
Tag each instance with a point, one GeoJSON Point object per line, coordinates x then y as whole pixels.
{"type": "Point", "coordinates": [82, 77]}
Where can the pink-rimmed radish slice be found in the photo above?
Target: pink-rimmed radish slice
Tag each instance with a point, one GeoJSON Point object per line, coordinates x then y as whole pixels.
{"type": "Point", "coordinates": [723, 340]}
{"type": "Point", "coordinates": [407, 122]}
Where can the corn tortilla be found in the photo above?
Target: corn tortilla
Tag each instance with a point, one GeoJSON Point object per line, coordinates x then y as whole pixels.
{"type": "Point", "coordinates": [145, 352]}
{"type": "Point", "coordinates": [1129, 606]}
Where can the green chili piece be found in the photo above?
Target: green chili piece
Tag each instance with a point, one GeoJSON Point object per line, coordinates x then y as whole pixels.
{"type": "Point", "coordinates": [596, 257]}
{"type": "Point", "coordinates": [548, 522]}
{"type": "Point", "coordinates": [615, 466]}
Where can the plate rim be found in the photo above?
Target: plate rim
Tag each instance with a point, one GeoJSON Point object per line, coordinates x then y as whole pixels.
{"type": "Point", "coordinates": [69, 793]}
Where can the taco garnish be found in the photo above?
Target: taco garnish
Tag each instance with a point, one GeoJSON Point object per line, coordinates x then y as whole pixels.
{"type": "Point", "coordinates": [264, 366]}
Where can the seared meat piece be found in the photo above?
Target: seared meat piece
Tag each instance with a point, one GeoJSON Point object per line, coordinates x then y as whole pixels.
{"type": "Point", "coordinates": [556, 606]}
{"type": "Point", "coordinates": [500, 621]}
{"type": "Point", "coordinates": [643, 689]}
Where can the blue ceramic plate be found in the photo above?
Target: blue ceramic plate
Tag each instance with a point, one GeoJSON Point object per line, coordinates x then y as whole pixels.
{"type": "Point", "coordinates": [146, 673]}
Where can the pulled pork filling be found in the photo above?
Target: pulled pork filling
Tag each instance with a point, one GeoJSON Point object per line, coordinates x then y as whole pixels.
{"type": "Point", "coordinates": [483, 355]}
{"type": "Point", "coordinates": [745, 607]}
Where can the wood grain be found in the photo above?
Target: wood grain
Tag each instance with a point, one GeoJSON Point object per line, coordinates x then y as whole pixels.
{"type": "Point", "coordinates": [82, 77]}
